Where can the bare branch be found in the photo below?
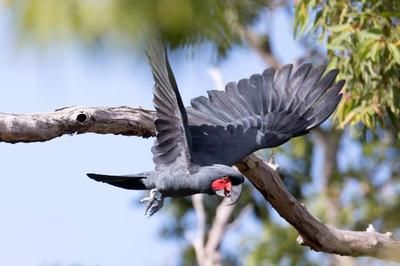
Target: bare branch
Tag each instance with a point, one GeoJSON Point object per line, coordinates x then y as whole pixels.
{"type": "Point", "coordinates": [256, 43]}
{"type": "Point", "coordinates": [136, 121]}
{"type": "Point", "coordinates": [216, 233]}
{"type": "Point", "coordinates": [262, 47]}
{"type": "Point", "coordinates": [246, 210]}
{"type": "Point", "coordinates": [198, 241]}
{"type": "Point", "coordinates": [208, 254]}
{"type": "Point", "coordinates": [70, 120]}
{"type": "Point", "coordinates": [313, 233]}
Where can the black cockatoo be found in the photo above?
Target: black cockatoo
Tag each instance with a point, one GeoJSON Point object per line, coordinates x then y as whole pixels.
{"type": "Point", "coordinates": [196, 147]}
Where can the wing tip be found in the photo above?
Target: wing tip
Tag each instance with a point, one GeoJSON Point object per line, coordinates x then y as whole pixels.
{"type": "Point", "coordinates": [341, 83]}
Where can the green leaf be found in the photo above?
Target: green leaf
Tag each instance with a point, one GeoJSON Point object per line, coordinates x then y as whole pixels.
{"type": "Point", "coordinates": [341, 28]}
{"type": "Point", "coordinates": [395, 52]}
{"type": "Point", "coordinates": [368, 34]}
{"type": "Point", "coordinates": [340, 39]}
{"type": "Point", "coordinates": [374, 51]}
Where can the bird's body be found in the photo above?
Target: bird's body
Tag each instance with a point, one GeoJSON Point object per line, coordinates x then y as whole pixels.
{"type": "Point", "coordinates": [173, 182]}
{"type": "Point", "coordinates": [195, 146]}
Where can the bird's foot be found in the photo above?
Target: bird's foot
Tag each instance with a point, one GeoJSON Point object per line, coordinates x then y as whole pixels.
{"type": "Point", "coordinates": [272, 163]}
{"type": "Point", "coordinates": [154, 202]}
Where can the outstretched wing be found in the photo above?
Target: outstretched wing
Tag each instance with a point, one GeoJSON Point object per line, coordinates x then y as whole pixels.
{"type": "Point", "coordinates": [173, 140]}
{"type": "Point", "coordinates": [263, 111]}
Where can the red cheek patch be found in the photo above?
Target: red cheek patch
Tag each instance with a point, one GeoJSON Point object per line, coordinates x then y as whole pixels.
{"type": "Point", "coordinates": [221, 184]}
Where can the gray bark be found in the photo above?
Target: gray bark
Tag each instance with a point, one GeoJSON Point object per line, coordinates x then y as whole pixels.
{"type": "Point", "coordinates": [76, 120]}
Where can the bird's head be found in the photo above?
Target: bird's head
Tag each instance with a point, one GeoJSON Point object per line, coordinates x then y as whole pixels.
{"type": "Point", "coordinates": [226, 182]}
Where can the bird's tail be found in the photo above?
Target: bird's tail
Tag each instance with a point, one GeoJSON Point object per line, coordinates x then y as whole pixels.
{"type": "Point", "coordinates": [137, 182]}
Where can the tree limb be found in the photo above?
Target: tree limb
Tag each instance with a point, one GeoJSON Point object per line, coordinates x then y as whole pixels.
{"type": "Point", "coordinates": [256, 43]}
{"type": "Point", "coordinates": [198, 241]}
{"type": "Point", "coordinates": [138, 122]}
{"type": "Point", "coordinates": [313, 233]}
{"type": "Point", "coordinates": [70, 120]}
{"type": "Point", "coordinates": [208, 253]}
{"type": "Point", "coordinates": [216, 233]}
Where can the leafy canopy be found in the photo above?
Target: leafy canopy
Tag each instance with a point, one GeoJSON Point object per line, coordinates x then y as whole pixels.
{"type": "Point", "coordinates": [362, 39]}
{"type": "Point", "coordinates": [181, 21]}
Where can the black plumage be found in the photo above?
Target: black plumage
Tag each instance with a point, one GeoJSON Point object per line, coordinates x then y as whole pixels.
{"type": "Point", "coordinates": [195, 147]}
{"type": "Point", "coordinates": [263, 111]}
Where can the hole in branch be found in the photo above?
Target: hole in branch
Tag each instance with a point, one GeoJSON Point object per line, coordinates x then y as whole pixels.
{"type": "Point", "coordinates": [81, 118]}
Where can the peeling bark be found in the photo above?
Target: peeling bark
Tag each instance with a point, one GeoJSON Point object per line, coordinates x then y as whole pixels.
{"type": "Point", "coordinates": [139, 122]}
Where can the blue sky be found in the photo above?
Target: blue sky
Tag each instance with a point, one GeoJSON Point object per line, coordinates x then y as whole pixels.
{"type": "Point", "coordinates": [51, 212]}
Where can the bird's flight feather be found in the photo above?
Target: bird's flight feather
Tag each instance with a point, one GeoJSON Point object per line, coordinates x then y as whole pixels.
{"type": "Point", "coordinates": [173, 139]}
{"type": "Point", "coordinates": [263, 111]}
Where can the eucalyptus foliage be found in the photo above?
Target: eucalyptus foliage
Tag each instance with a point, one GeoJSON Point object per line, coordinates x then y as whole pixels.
{"type": "Point", "coordinates": [362, 39]}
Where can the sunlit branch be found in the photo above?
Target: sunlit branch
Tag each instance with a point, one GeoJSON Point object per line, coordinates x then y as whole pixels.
{"type": "Point", "coordinates": [76, 120]}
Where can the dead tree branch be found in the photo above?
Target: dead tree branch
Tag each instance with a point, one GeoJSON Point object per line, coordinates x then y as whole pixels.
{"type": "Point", "coordinates": [198, 241]}
{"type": "Point", "coordinates": [313, 233]}
{"type": "Point", "coordinates": [257, 44]}
{"type": "Point", "coordinates": [208, 252]}
{"type": "Point", "coordinates": [216, 233]}
{"type": "Point", "coordinates": [138, 122]}
{"type": "Point", "coordinates": [76, 120]}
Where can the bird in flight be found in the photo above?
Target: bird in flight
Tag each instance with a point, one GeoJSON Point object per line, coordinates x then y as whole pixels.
{"type": "Point", "coordinates": [196, 147]}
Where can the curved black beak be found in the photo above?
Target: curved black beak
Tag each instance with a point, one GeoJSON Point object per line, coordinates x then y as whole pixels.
{"type": "Point", "coordinates": [234, 194]}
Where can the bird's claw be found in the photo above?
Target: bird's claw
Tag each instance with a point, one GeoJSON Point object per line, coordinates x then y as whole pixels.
{"type": "Point", "coordinates": [154, 202]}
{"type": "Point", "coordinates": [272, 163]}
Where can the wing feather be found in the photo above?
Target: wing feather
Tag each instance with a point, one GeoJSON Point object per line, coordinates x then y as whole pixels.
{"type": "Point", "coordinates": [218, 101]}
{"type": "Point", "coordinates": [173, 139]}
{"type": "Point", "coordinates": [281, 84]}
{"type": "Point", "coordinates": [239, 103]}
{"type": "Point", "coordinates": [268, 90]}
{"type": "Point", "coordinates": [261, 112]}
